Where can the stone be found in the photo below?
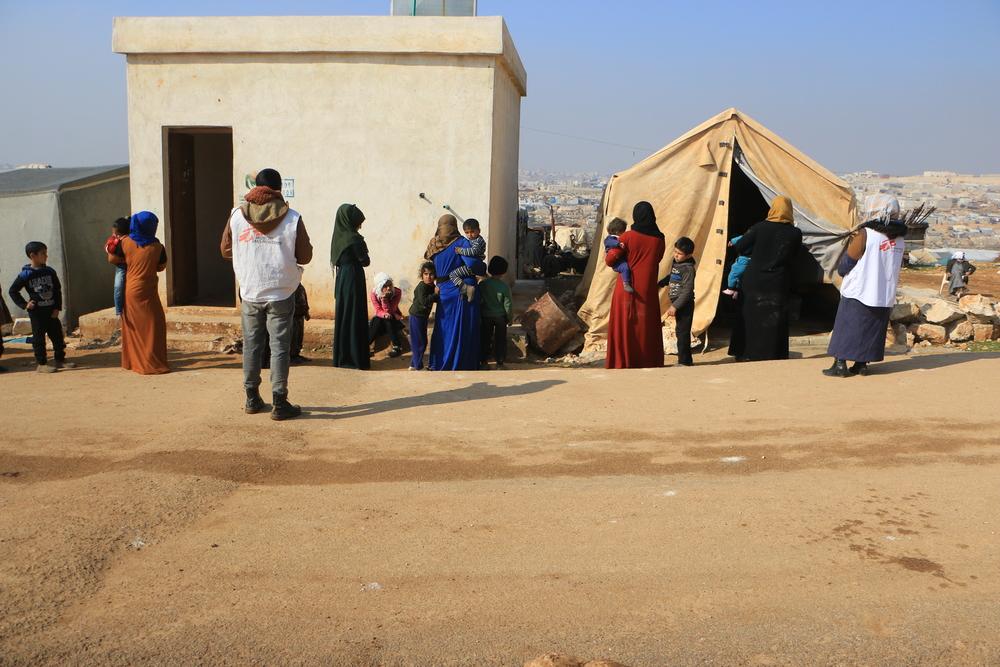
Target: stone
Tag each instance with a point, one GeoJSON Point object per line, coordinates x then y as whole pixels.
{"type": "Point", "coordinates": [934, 334]}
{"type": "Point", "coordinates": [22, 327]}
{"type": "Point", "coordinates": [960, 332]}
{"type": "Point", "coordinates": [978, 308]}
{"type": "Point", "coordinates": [982, 332]}
{"type": "Point", "coordinates": [923, 257]}
{"type": "Point", "coordinates": [905, 312]}
{"type": "Point", "coordinates": [896, 335]}
{"type": "Point", "coordinates": [550, 325]}
{"type": "Point", "coordinates": [941, 312]}
{"type": "Point", "coordinates": [554, 660]}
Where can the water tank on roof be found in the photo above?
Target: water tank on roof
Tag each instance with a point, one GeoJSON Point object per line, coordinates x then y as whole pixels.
{"type": "Point", "coordinates": [433, 7]}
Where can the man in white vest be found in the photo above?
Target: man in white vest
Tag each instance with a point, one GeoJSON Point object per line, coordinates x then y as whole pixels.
{"type": "Point", "coordinates": [268, 243]}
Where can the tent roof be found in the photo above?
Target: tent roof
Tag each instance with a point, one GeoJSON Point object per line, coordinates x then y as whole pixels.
{"type": "Point", "coordinates": [28, 181]}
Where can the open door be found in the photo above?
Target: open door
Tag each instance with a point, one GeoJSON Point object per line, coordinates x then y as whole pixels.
{"type": "Point", "coordinates": [199, 199]}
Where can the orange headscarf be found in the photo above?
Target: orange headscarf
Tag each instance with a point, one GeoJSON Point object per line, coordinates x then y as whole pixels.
{"type": "Point", "coordinates": [447, 232]}
{"type": "Point", "coordinates": [781, 210]}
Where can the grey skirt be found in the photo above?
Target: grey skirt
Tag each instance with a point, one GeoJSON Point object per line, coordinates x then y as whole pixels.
{"type": "Point", "coordinates": [859, 332]}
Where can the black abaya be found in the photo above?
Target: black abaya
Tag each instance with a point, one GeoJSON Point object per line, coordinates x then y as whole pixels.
{"type": "Point", "coordinates": [767, 287]}
{"type": "Point", "coordinates": [350, 326]}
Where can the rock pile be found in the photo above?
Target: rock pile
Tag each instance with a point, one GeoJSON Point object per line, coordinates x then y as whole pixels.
{"type": "Point", "coordinates": [974, 317]}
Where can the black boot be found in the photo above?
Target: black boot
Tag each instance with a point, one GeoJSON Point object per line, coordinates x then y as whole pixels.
{"type": "Point", "coordinates": [282, 409]}
{"type": "Point", "coordinates": [859, 368]}
{"type": "Point", "coordinates": [838, 370]}
{"type": "Point", "coordinates": [254, 402]}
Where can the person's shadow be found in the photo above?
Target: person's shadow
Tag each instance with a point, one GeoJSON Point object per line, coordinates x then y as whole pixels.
{"type": "Point", "coordinates": [478, 391]}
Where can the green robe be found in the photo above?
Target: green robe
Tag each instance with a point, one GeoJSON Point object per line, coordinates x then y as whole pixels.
{"type": "Point", "coordinates": [350, 326]}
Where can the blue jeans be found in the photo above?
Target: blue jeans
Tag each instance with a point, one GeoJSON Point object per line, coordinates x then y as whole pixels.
{"type": "Point", "coordinates": [267, 322]}
{"type": "Point", "coordinates": [119, 290]}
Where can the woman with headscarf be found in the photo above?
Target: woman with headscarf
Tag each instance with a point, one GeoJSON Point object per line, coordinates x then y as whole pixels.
{"type": "Point", "coordinates": [870, 271]}
{"type": "Point", "coordinates": [772, 244]}
{"type": "Point", "coordinates": [958, 271]}
{"type": "Point", "coordinates": [455, 340]}
{"type": "Point", "coordinates": [635, 336]}
{"type": "Point", "coordinates": [349, 257]}
{"type": "Point", "coordinates": [144, 325]}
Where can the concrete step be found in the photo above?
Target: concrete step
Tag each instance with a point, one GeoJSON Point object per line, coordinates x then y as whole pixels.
{"type": "Point", "coordinates": [200, 328]}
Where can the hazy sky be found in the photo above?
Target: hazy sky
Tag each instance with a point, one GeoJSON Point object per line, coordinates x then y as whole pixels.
{"type": "Point", "coordinates": [898, 87]}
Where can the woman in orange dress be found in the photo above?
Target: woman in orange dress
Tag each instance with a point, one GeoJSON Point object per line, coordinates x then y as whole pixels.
{"type": "Point", "coordinates": [144, 325]}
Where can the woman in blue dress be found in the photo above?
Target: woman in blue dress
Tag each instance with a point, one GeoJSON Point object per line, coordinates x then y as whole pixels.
{"type": "Point", "coordinates": [455, 341]}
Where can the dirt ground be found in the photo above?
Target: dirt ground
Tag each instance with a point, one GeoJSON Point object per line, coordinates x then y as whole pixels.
{"type": "Point", "coordinates": [727, 513]}
{"type": "Point", "coordinates": [986, 279]}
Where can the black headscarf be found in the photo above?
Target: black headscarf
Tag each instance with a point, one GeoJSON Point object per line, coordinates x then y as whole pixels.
{"type": "Point", "coordinates": [345, 230]}
{"type": "Point", "coordinates": [644, 220]}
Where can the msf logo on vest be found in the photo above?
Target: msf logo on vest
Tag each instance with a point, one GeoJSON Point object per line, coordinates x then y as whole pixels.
{"type": "Point", "coordinates": [251, 235]}
{"type": "Point", "coordinates": [887, 245]}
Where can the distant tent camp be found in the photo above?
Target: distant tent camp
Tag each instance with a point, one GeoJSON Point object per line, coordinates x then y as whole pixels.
{"type": "Point", "coordinates": [711, 184]}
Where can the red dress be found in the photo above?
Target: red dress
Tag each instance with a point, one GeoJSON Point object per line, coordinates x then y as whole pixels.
{"type": "Point", "coordinates": [635, 336]}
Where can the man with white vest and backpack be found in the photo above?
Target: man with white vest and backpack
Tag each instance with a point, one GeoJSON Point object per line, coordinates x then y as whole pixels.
{"type": "Point", "coordinates": [268, 243]}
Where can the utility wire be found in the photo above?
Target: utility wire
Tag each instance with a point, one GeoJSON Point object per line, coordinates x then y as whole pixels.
{"type": "Point", "coordinates": [595, 141]}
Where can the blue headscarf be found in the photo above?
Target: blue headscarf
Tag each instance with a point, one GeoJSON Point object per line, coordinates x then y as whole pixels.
{"type": "Point", "coordinates": [142, 228]}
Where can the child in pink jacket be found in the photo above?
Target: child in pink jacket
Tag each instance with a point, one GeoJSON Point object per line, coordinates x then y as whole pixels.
{"type": "Point", "coordinates": [388, 319]}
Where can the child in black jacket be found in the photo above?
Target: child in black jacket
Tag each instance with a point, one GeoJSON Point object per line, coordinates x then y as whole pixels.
{"type": "Point", "coordinates": [43, 305]}
{"type": "Point", "coordinates": [681, 292]}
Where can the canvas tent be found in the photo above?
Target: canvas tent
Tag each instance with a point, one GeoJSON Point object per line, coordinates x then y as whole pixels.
{"type": "Point", "coordinates": [711, 184]}
{"type": "Point", "coordinates": [70, 210]}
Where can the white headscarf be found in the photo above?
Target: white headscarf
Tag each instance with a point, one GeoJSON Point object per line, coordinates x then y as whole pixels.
{"type": "Point", "coordinates": [958, 255]}
{"type": "Point", "coordinates": [882, 208]}
{"type": "Point", "coordinates": [380, 281]}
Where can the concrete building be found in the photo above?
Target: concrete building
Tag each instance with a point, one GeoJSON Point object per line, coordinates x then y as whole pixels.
{"type": "Point", "coordinates": [70, 210]}
{"type": "Point", "coordinates": [366, 110]}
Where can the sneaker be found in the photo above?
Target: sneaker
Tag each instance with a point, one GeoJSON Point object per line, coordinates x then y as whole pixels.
{"type": "Point", "coordinates": [254, 402]}
{"type": "Point", "coordinates": [859, 368]}
{"type": "Point", "coordinates": [3, 369]}
{"type": "Point", "coordinates": [469, 291]}
{"type": "Point", "coordinates": [413, 368]}
{"type": "Point", "coordinates": [281, 409]}
{"type": "Point", "coordinates": [64, 364]}
{"type": "Point", "coordinates": [628, 288]}
{"type": "Point", "coordinates": [45, 368]}
{"type": "Point", "coordinates": [298, 359]}
{"type": "Point", "coordinates": [395, 351]}
{"type": "Point", "coordinates": [729, 292]}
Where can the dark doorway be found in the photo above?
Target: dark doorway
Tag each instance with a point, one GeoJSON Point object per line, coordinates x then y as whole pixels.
{"type": "Point", "coordinates": [199, 200]}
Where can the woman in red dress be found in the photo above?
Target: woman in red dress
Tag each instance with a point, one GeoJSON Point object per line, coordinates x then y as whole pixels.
{"type": "Point", "coordinates": [635, 337]}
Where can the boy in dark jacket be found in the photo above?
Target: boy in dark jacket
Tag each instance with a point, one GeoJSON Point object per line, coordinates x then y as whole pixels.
{"type": "Point", "coordinates": [425, 295]}
{"type": "Point", "coordinates": [681, 293]}
{"type": "Point", "coordinates": [43, 305]}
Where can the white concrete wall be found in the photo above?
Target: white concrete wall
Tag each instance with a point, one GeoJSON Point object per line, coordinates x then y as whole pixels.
{"type": "Point", "coordinates": [349, 125]}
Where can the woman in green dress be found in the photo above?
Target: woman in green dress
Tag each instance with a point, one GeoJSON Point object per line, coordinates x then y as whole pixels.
{"type": "Point", "coordinates": [349, 256]}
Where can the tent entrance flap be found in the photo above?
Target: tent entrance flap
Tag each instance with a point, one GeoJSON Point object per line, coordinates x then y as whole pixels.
{"type": "Point", "coordinates": [822, 240]}
{"type": "Point", "coordinates": [198, 201]}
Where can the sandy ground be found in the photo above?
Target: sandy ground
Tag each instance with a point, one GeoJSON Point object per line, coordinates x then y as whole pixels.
{"type": "Point", "coordinates": [986, 279]}
{"type": "Point", "coordinates": [726, 514]}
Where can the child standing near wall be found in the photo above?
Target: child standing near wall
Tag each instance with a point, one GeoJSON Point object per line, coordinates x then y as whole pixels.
{"type": "Point", "coordinates": [43, 305]}
{"type": "Point", "coordinates": [119, 230]}
{"type": "Point", "coordinates": [497, 314]}
{"type": "Point", "coordinates": [425, 294]}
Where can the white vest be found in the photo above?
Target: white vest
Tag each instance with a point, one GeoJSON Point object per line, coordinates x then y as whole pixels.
{"type": "Point", "coordinates": [873, 279]}
{"type": "Point", "coordinates": [265, 263]}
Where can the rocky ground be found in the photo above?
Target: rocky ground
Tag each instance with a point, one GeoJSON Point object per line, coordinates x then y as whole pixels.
{"type": "Point", "coordinates": [727, 513]}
